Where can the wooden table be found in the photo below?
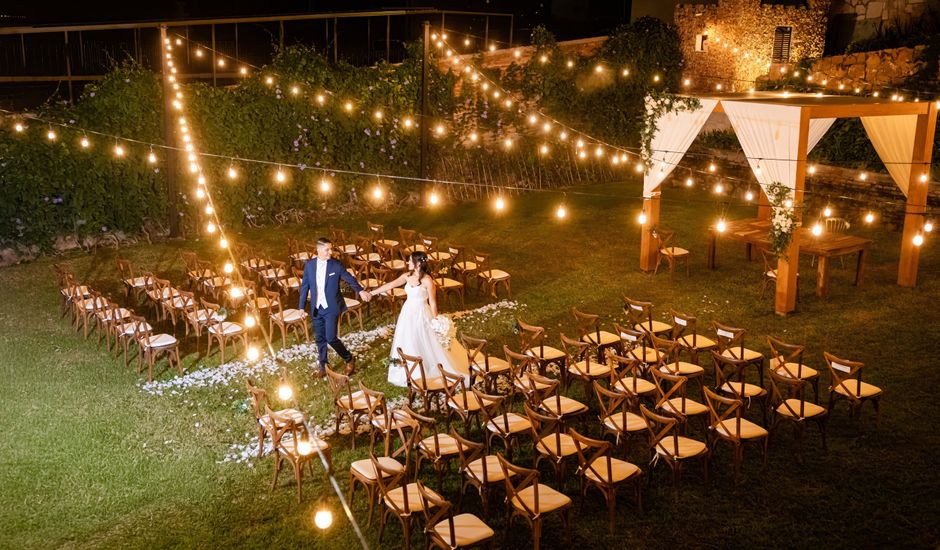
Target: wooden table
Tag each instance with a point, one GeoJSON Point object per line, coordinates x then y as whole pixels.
{"type": "Point", "coordinates": [754, 233]}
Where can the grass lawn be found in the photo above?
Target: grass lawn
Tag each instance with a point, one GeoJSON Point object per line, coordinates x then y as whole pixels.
{"type": "Point", "coordinates": [91, 460]}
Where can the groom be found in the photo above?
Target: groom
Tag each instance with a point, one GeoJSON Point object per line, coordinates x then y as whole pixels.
{"type": "Point", "coordinates": [321, 279]}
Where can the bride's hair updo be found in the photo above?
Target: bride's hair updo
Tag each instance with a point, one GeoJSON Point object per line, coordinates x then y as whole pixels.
{"type": "Point", "coordinates": [420, 261]}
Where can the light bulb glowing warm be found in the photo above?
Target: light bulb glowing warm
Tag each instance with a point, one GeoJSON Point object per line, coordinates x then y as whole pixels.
{"type": "Point", "coordinates": [269, 81]}
{"type": "Point", "coordinates": [232, 173]}
{"type": "Point", "coordinates": [599, 69]}
{"type": "Point", "coordinates": [408, 123]}
{"type": "Point", "coordinates": [280, 176]}
{"type": "Point", "coordinates": [295, 90]}
{"type": "Point", "coordinates": [200, 193]}
{"type": "Point", "coordinates": [223, 243]}
{"type": "Point", "coordinates": [228, 268]}
{"type": "Point", "coordinates": [152, 158]}
{"type": "Point", "coordinates": [533, 119]}
{"type": "Point", "coordinates": [923, 178]}
{"type": "Point", "coordinates": [500, 203]}
{"type": "Point", "coordinates": [749, 196]}
{"type": "Point", "coordinates": [517, 54]}
{"type": "Point", "coordinates": [85, 143]}
{"type": "Point", "coordinates": [639, 167]}
{"type": "Point", "coordinates": [569, 63]}
{"type": "Point", "coordinates": [284, 392]}
{"type": "Point", "coordinates": [656, 78]}
{"type": "Point", "coordinates": [439, 130]}
{"type": "Point", "coordinates": [323, 519]}
{"type": "Point", "coordinates": [193, 167]}
{"type": "Point", "coordinates": [243, 71]}
{"type": "Point", "coordinates": [918, 239]}
{"type": "Point", "coordinates": [579, 143]}
{"type": "Point", "coordinates": [210, 227]}
{"type": "Point", "coordinates": [721, 226]}
{"type": "Point", "coordinates": [507, 143]}
{"type": "Point", "coordinates": [118, 151]}
{"type": "Point", "coordinates": [811, 169]}
{"type": "Point", "coordinates": [561, 212]}
{"type": "Point", "coordinates": [686, 82]}
{"type": "Point", "coordinates": [827, 212]}
{"type": "Point", "coordinates": [209, 210]}
{"type": "Point", "coordinates": [221, 62]}
{"type": "Point", "coordinates": [434, 198]}
{"type": "Point", "coordinates": [625, 72]}
{"type": "Point", "coordinates": [712, 167]}
{"type": "Point", "coordinates": [325, 185]}
{"type": "Point", "coordinates": [863, 176]}
{"type": "Point", "coordinates": [599, 151]}
{"type": "Point", "coordinates": [817, 229]}
{"type": "Point", "coordinates": [492, 47]}
{"type": "Point", "coordinates": [378, 115]}
{"type": "Point", "coordinates": [508, 103]}
{"type": "Point", "coordinates": [928, 227]}
{"type": "Point", "coordinates": [19, 127]}
{"type": "Point", "coordinates": [641, 219]}
{"type": "Point", "coordinates": [563, 135]}
{"type": "Point", "coordinates": [474, 137]}
{"type": "Point", "coordinates": [348, 106]}
{"type": "Point", "coordinates": [51, 135]}
{"type": "Point", "coordinates": [250, 321]}
{"type": "Point", "coordinates": [543, 149]}
{"type": "Point", "coordinates": [236, 292]}
{"type": "Point", "coordinates": [377, 193]}
{"type": "Point", "coordinates": [719, 188]}
{"type": "Point", "coordinates": [689, 182]}
{"type": "Point", "coordinates": [198, 52]}
{"type": "Point", "coordinates": [870, 217]}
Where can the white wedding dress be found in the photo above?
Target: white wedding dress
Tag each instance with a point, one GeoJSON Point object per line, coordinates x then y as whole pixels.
{"type": "Point", "coordinates": [414, 335]}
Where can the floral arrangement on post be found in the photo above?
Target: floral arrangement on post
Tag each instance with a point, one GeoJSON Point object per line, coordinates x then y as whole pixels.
{"type": "Point", "coordinates": [783, 221]}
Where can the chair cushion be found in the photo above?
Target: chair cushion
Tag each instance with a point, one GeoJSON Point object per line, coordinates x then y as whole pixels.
{"type": "Point", "coordinates": [635, 422]}
{"type": "Point", "coordinates": [562, 446]}
{"type": "Point", "coordinates": [496, 364]}
{"type": "Point", "coordinates": [465, 266]}
{"type": "Point", "coordinates": [606, 338]}
{"type": "Point", "coordinates": [199, 316]}
{"type": "Point", "coordinates": [735, 353]}
{"type": "Point", "coordinates": [93, 303]}
{"type": "Point", "coordinates": [645, 355]}
{"type": "Point", "coordinates": [546, 353]}
{"type": "Point", "coordinates": [429, 384]}
{"type": "Point", "coordinates": [681, 367]}
{"type": "Point", "coordinates": [289, 283]}
{"type": "Point", "coordinates": [810, 409]}
{"type": "Point", "coordinates": [631, 384]}
{"type": "Point", "coordinates": [674, 251]}
{"type": "Point", "coordinates": [395, 265]}
{"type": "Point", "coordinates": [366, 470]}
{"type": "Point", "coordinates": [516, 423]}
{"type": "Point", "coordinates": [290, 316]}
{"type": "Point", "coordinates": [399, 419]}
{"type": "Point", "coordinates": [867, 390]}
{"type": "Point", "coordinates": [294, 414]}
{"type": "Point", "coordinates": [137, 282]}
{"type": "Point", "coordinates": [75, 291]}
{"type": "Point", "coordinates": [159, 341]}
{"type": "Point", "coordinates": [227, 328]}
{"type": "Point", "coordinates": [494, 274]}
{"type": "Point", "coordinates": [618, 471]}
{"type": "Point", "coordinates": [440, 256]}
{"type": "Point", "coordinates": [273, 273]}
{"type": "Point", "coordinates": [653, 326]}
{"type": "Point", "coordinates": [216, 282]}
{"type": "Point", "coordinates": [301, 256]}
{"type": "Point", "coordinates": [371, 257]}
{"type": "Point", "coordinates": [448, 284]}
{"type": "Point", "coordinates": [750, 390]}
{"type": "Point", "coordinates": [469, 530]}
{"type": "Point", "coordinates": [106, 314]}
{"type": "Point", "coordinates": [701, 342]}
{"type": "Point", "coordinates": [688, 448]}
{"type": "Point", "coordinates": [351, 303]}
{"type": "Point", "coordinates": [358, 402]}
{"type": "Point", "coordinates": [494, 473]}
{"type": "Point", "coordinates": [689, 408]}
{"type": "Point", "coordinates": [288, 447]}
{"type": "Point", "coordinates": [446, 445]}
{"type": "Point", "coordinates": [549, 499]}
{"type": "Point", "coordinates": [568, 406]}
{"type": "Point", "coordinates": [396, 498]}
{"type": "Point", "coordinates": [804, 372]}
{"type": "Point", "coordinates": [129, 328]}
{"type": "Point", "coordinates": [749, 430]}
{"type": "Point", "coordinates": [457, 402]}
{"type": "Point", "coordinates": [591, 369]}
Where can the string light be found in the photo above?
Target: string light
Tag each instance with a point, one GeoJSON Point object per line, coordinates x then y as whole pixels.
{"type": "Point", "coordinates": [689, 182]}
{"type": "Point", "coordinates": [721, 226]}
{"type": "Point", "coordinates": [348, 106]}
{"type": "Point", "coordinates": [323, 518]}
{"type": "Point", "coordinates": [561, 212]}
{"type": "Point", "coordinates": [863, 176]}
{"type": "Point", "coordinates": [788, 204]}
{"type": "Point", "coordinates": [209, 210]}
{"type": "Point", "coordinates": [711, 167]}
{"type": "Point", "coordinates": [749, 196]}
{"type": "Point", "coordinates": [439, 130]}
{"type": "Point", "coordinates": [719, 188]}
{"type": "Point", "coordinates": [243, 70]}
{"type": "Point", "coordinates": [284, 392]}
{"type": "Point", "coordinates": [223, 243]}
{"type": "Point", "coordinates": [231, 172]}
{"type": "Point", "coordinates": [378, 115]}
{"type": "Point", "coordinates": [474, 137]}
{"type": "Point", "coordinates": [656, 78]}
{"type": "Point", "coordinates": [757, 168]}
{"type": "Point", "coordinates": [228, 268]}
{"type": "Point", "coordinates": [817, 229]}
{"type": "Point", "coordinates": [543, 150]}
{"type": "Point", "coordinates": [923, 178]}
{"type": "Point", "coordinates": [870, 217]}
{"type": "Point", "coordinates": [200, 193]}
{"type": "Point", "coordinates": [19, 127]}
{"type": "Point", "coordinates": [928, 226]}
{"type": "Point", "coordinates": [641, 219]}
{"type": "Point", "coordinates": [434, 198]}
{"type": "Point", "coordinates": [500, 204]}
{"type": "Point", "coordinates": [325, 185]}
{"type": "Point", "coordinates": [118, 151]}
{"type": "Point", "coordinates": [252, 354]}
{"type": "Point", "coordinates": [84, 142]}
{"type": "Point", "coordinates": [250, 321]}
{"type": "Point", "coordinates": [827, 212]}
{"type": "Point", "coordinates": [377, 192]}
{"type": "Point", "coordinates": [280, 176]}
{"type": "Point", "coordinates": [408, 123]}
{"type": "Point", "coordinates": [918, 239]}
{"type": "Point", "coordinates": [152, 158]}
{"type": "Point", "coordinates": [295, 90]}
{"type": "Point", "coordinates": [811, 169]}
{"type": "Point", "coordinates": [269, 81]}
{"type": "Point", "coordinates": [221, 62]}
{"type": "Point", "coordinates": [210, 227]}
{"type": "Point", "coordinates": [507, 143]}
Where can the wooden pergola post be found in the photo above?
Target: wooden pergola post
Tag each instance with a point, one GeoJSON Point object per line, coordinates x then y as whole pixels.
{"type": "Point", "coordinates": [649, 251]}
{"type": "Point", "coordinates": [788, 269]}
{"type": "Point", "coordinates": [764, 210]}
{"type": "Point", "coordinates": [917, 195]}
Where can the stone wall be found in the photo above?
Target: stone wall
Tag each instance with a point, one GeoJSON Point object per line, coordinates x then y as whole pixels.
{"type": "Point", "coordinates": [867, 71]}
{"type": "Point", "coordinates": [740, 40]}
{"type": "Point", "coordinates": [858, 19]}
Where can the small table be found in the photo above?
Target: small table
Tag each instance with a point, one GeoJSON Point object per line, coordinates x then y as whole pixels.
{"type": "Point", "coordinates": [753, 232]}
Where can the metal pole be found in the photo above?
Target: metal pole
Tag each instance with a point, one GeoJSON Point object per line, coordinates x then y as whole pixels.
{"type": "Point", "coordinates": [23, 48]}
{"type": "Point", "coordinates": [281, 39]}
{"type": "Point", "coordinates": [424, 100]}
{"type": "Point", "coordinates": [236, 40]}
{"type": "Point", "coordinates": [81, 50]}
{"type": "Point", "coordinates": [188, 48]}
{"type": "Point", "coordinates": [68, 65]}
{"type": "Point", "coordinates": [213, 54]}
{"type": "Point", "coordinates": [511, 21]}
{"type": "Point", "coordinates": [137, 45]}
{"type": "Point", "coordinates": [335, 42]}
{"type": "Point", "coordinates": [171, 167]}
{"type": "Point", "coordinates": [369, 39]}
{"type": "Point", "coordinates": [486, 33]}
{"type": "Point", "coordinates": [388, 38]}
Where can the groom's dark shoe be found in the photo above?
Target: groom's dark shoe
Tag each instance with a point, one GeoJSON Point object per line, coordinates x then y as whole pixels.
{"type": "Point", "coordinates": [321, 373]}
{"type": "Point", "coordinates": [350, 367]}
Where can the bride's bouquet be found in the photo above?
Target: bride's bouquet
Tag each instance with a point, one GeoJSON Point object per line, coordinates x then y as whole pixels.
{"type": "Point", "coordinates": [442, 325]}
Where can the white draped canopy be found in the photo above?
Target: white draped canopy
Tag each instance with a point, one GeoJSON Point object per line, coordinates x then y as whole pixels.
{"type": "Point", "coordinates": [893, 139]}
{"type": "Point", "coordinates": [674, 133]}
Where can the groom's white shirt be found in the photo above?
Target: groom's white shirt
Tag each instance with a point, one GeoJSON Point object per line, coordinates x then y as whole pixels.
{"type": "Point", "coordinates": [321, 284]}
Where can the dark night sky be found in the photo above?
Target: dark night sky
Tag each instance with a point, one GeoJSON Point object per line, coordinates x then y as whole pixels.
{"type": "Point", "coordinates": [567, 18]}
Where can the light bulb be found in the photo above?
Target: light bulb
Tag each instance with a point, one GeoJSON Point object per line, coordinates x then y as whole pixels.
{"type": "Point", "coordinates": [294, 90]}
{"type": "Point", "coordinates": [321, 99]}
{"type": "Point", "coordinates": [85, 143]}
{"type": "Point", "coordinates": [870, 217]}
{"type": "Point", "coordinates": [223, 243]}
{"type": "Point", "coordinates": [508, 103]}
{"type": "Point", "coordinates": [721, 226]}
{"type": "Point", "coordinates": [599, 68]}
{"type": "Point", "coordinates": [348, 106]}
{"type": "Point", "coordinates": [749, 196]}
{"type": "Point", "coordinates": [243, 70]}
{"type": "Point", "coordinates": [500, 203]}
{"type": "Point", "coordinates": [377, 193]}
{"type": "Point", "coordinates": [221, 62]}
{"type": "Point", "coordinates": [928, 227]}
{"type": "Point", "coordinates": [656, 78]}
{"type": "Point", "coordinates": [198, 52]}
{"type": "Point", "coordinates": [250, 321]}
{"type": "Point", "coordinates": [474, 137]}
{"type": "Point", "coordinates": [19, 127]}
{"type": "Point", "coordinates": [269, 81]}
{"type": "Point", "coordinates": [210, 227]}
{"type": "Point", "coordinates": [639, 167]}
{"type": "Point", "coordinates": [582, 155]}
{"type": "Point", "coordinates": [641, 218]}
{"type": "Point", "coordinates": [280, 176]}
{"type": "Point", "coordinates": [686, 82]}
{"type": "Point", "coordinates": [719, 188]}
{"type": "Point", "coordinates": [625, 72]}
{"type": "Point", "coordinates": [561, 212]}
{"type": "Point", "coordinates": [543, 149]}
{"type": "Point", "coordinates": [200, 194]}
{"type": "Point", "coordinates": [757, 170]}
{"type": "Point", "coordinates": [712, 167]}
{"type": "Point", "coordinates": [492, 47]}
{"type": "Point", "coordinates": [324, 185]}
{"type": "Point", "coordinates": [547, 127]}
{"type": "Point", "coordinates": [323, 519]}
{"type": "Point", "coordinates": [827, 212]}
{"type": "Point", "coordinates": [918, 239]}
{"type": "Point", "coordinates": [377, 114]}
{"type": "Point", "coordinates": [533, 119]}
{"type": "Point", "coordinates": [439, 130]}
{"type": "Point", "coordinates": [152, 158]}
{"type": "Point", "coordinates": [434, 198]}
{"type": "Point", "coordinates": [466, 41]}
{"type": "Point", "coordinates": [563, 135]}
{"type": "Point", "coordinates": [284, 392]}
{"type": "Point", "coordinates": [51, 135]}
{"type": "Point", "coordinates": [209, 210]}
{"type": "Point", "coordinates": [569, 63]}
{"type": "Point", "coordinates": [496, 94]}
{"type": "Point", "coordinates": [543, 58]}
{"type": "Point", "coordinates": [923, 178]}
{"type": "Point", "coordinates": [599, 151]}
{"type": "Point", "coordinates": [508, 143]}
{"type": "Point", "coordinates": [863, 176]}
{"type": "Point", "coordinates": [236, 292]}
{"type": "Point", "coordinates": [408, 123]}
{"type": "Point", "coordinates": [228, 268]}
{"type": "Point", "coordinates": [817, 229]}
{"type": "Point", "coordinates": [579, 143]}
{"type": "Point", "coordinates": [811, 169]}
{"type": "Point", "coordinates": [252, 353]}
{"type": "Point", "coordinates": [517, 54]}
{"type": "Point", "coordinates": [788, 203]}
{"type": "Point", "coordinates": [232, 173]}
{"type": "Point", "coordinates": [689, 182]}
{"type": "Point", "coordinates": [118, 151]}
{"type": "Point", "coordinates": [201, 180]}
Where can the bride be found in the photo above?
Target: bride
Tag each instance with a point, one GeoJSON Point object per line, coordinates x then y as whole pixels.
{"type": "Point", "coordinates": [413, 332]}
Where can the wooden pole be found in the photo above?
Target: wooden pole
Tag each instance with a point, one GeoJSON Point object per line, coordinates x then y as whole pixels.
{"type": "Point", "coordinates": [788, 268]}
{"type": "Point", "coordinates": [425, 122]}
{"type": "Point", "coordinates": [649, 251]}
{"type": "Point", "coordinates": [171, 167]}
{"type": "Point", "coordinates": [213, 54]}
{"type": "Point", "coordinates": [335, 42]}
{"type": "Point", "coordinates": [917, 196]}
{"type": "Point", "coordinates": [388, 38]}
{"type": "Point", "coordinates": [68, 65]}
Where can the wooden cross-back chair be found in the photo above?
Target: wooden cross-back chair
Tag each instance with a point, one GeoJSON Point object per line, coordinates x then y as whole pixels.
{"type": "Point", "coordinates": [550, 441]}
{"type": "Point", "coordinates": [260, 404]}
{"type": "Point", "coordinates": [490, 278]}
{"type": "Point", "coordinates": [672, 399]}
{"type": "Point", "coordinates": [847, 384]}
{"type": "Point", "coordinates": [431, 445]}
{"type": "Point", "coordinates": [669, 360]}
{"type": "Point", "coordinates": [348, 404]}
{"type": "Point", "coordinates": [685, 333]}
{"type": "Point", "coordinates": [730, 342]}
{"type": "Point", "coordinates": [789, 404]}
{"type": "Point", "coordinates": [477, 469]}
{"type": "Point", "coordinates": [669, 251]}
{"type": "Point", "coordinates": [727, 423]}
{"type": "Point", "coordinates": [532, 340]}
{"type": "Point", "coordinates": [675, 450]}
{"type": "Point", "coordinates": [589, 331]}
{"type": "Point", "coordinates": [286, 319]}
{"type": "Point", "coordinates": [617, 416]}
{"type": "Point", "coordinates": [378, 234]}
{"type": "Point", "coordinates": [401, 499]}
{"type": "Point", "coordinates": [731, 379]}
{"type": "Point", "coordinates": [481, 364]}
{"type": "Point", "coordinates": [420, 384]}
{"type": "Point", "coordinates": [640, 315]}
{"type": "Point", "coordinates": [532, 500]}
{"type": "Point", "coordinates": [507, 426]}
{"type": "Point", "coordinates": [599, 469]}
{"type": "Point", "coordinates": [635, 343]}
{"type": "Point", "coordinates": [579, 366]}
{"type": "Point", "coordinates": [294, 443]}
{"type": "Point", "coordinates": [133, 284]}
{"type": "Point", "coordinates": [387, 423]}
{"type": "Point", "coordinates": [445, 530]}
{"type": "Point", "coordinates": [787, 360]}
{"type": "Point", "coordinates": [626, 376]}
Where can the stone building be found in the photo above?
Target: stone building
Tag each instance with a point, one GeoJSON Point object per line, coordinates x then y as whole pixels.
{"type": "Point", "coordinates": [851, 20]}
{"type": "Point", "coordinates": [728, 44]}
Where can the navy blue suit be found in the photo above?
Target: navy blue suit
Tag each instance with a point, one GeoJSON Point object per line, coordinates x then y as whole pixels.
{"type": "Point", "coordinates": [326, 319]}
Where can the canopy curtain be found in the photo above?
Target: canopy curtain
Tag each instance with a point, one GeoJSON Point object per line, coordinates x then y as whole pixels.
{"type": "Point", "coordinates": [770, 135]}
{"type": "Point", "coordinates": [674, 133]}
{"type": "Point", "coordinates": [893, 139]}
